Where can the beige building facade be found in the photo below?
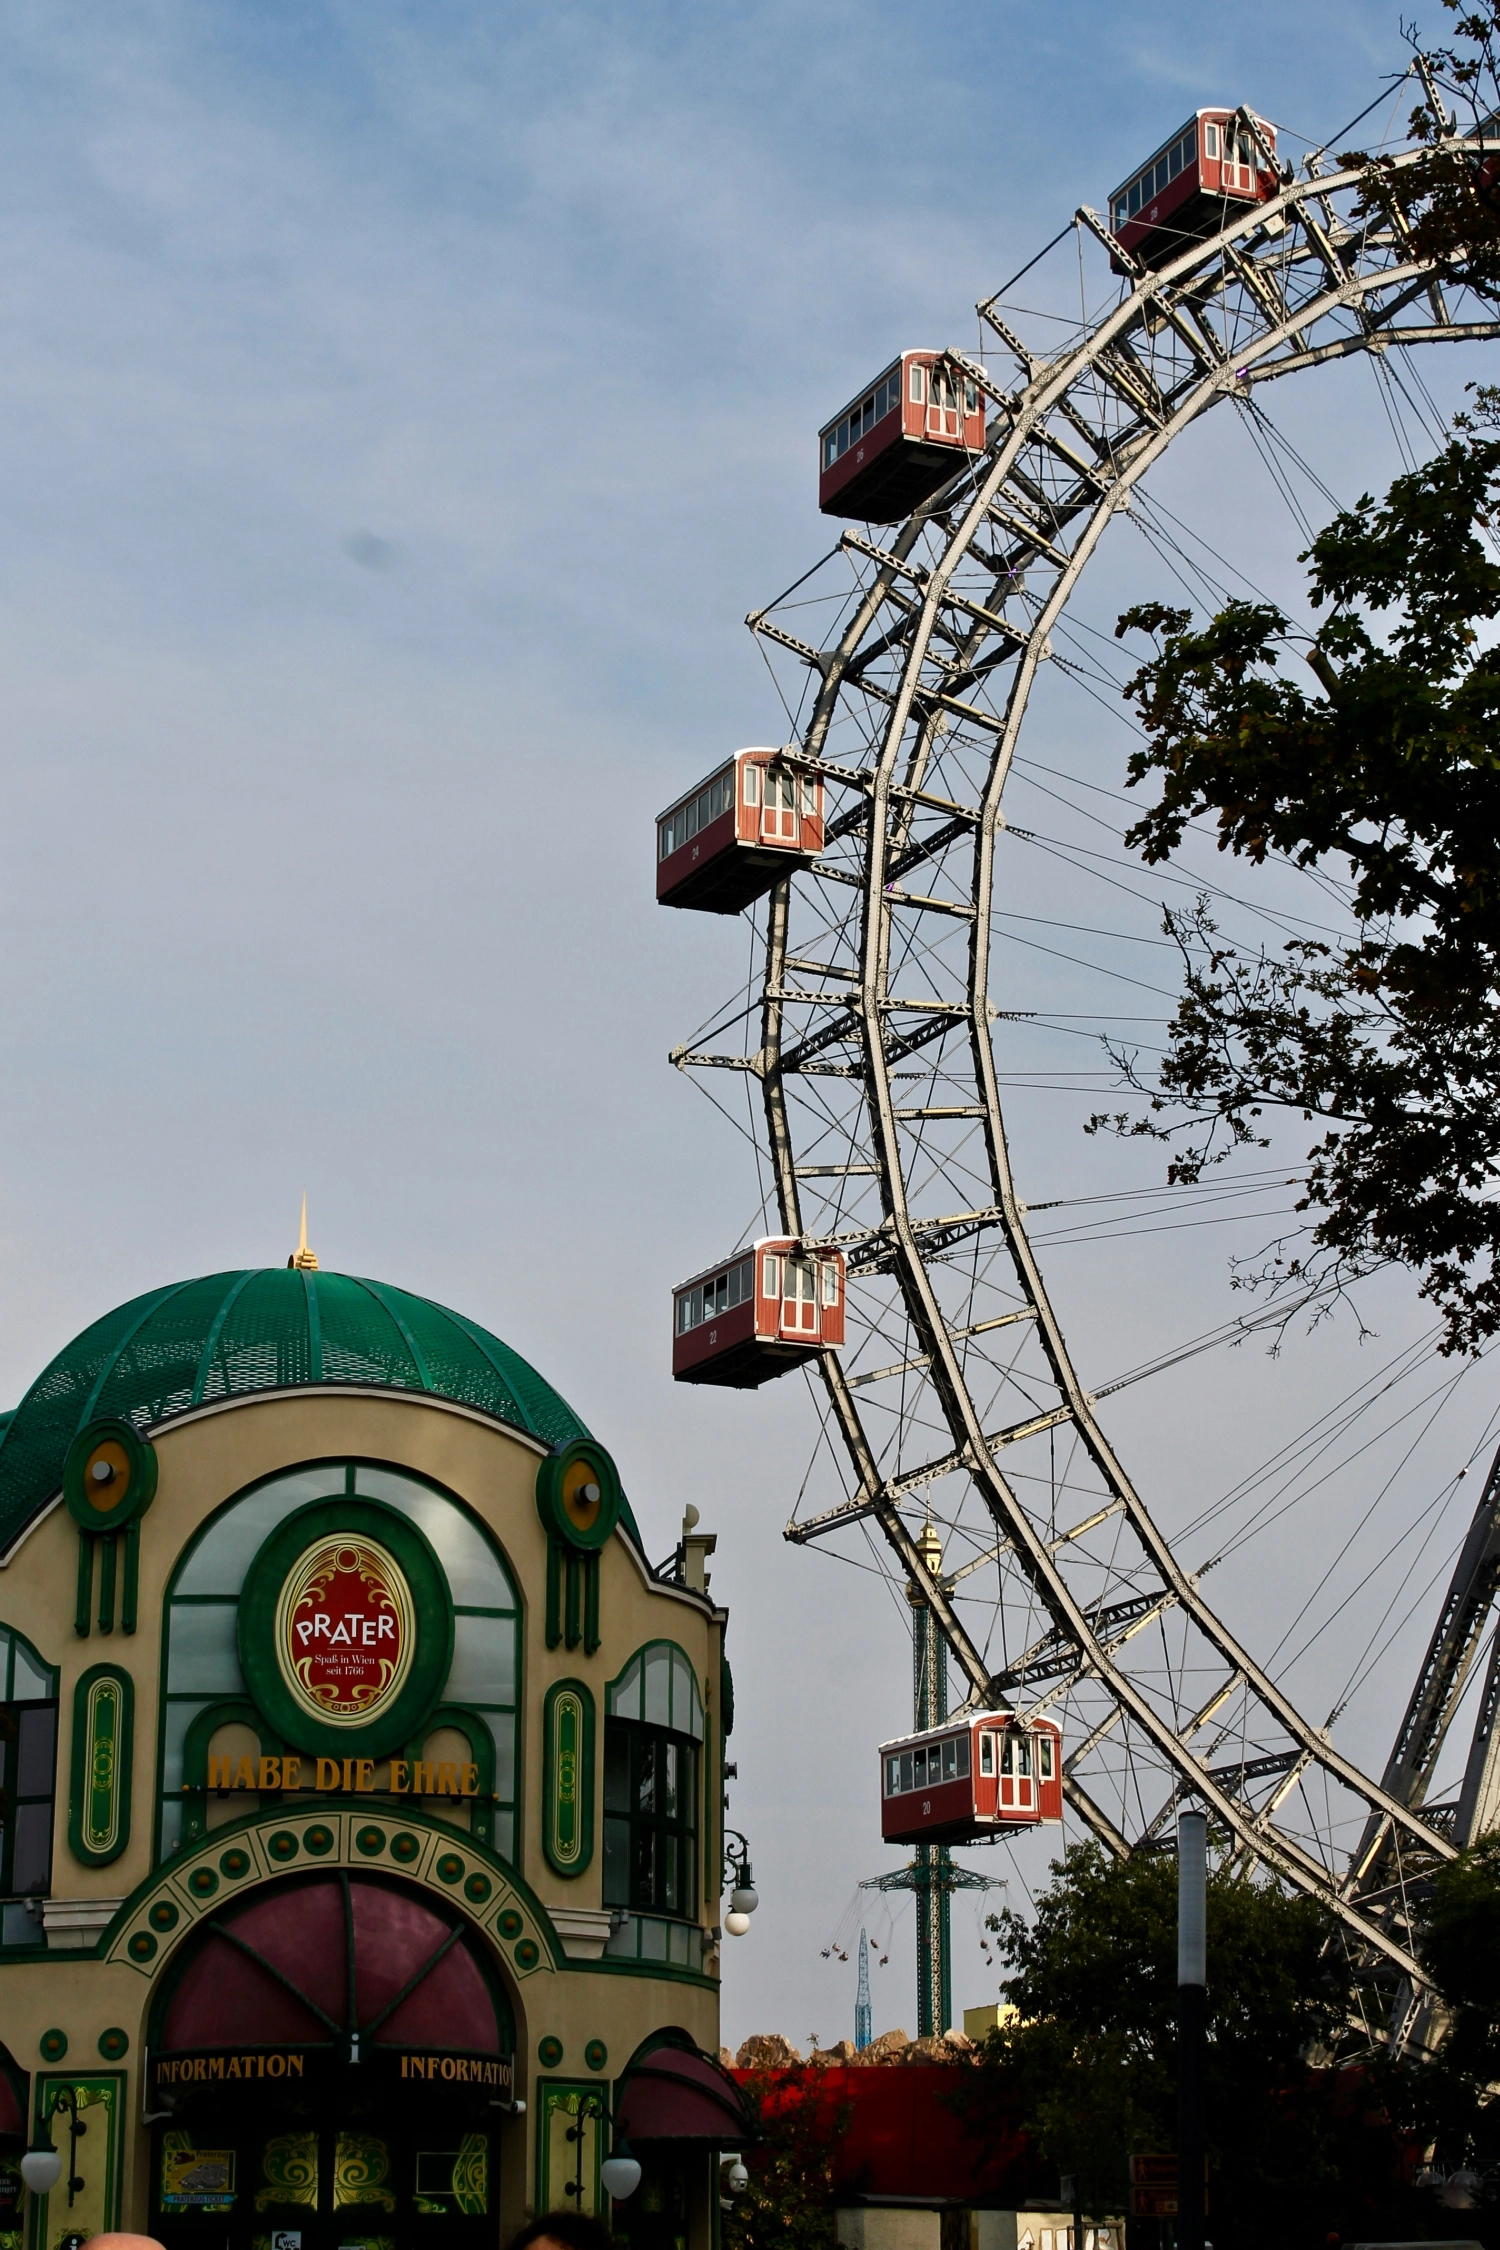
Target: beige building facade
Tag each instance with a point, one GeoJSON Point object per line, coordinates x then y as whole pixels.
{"type": "Point", "coordinates": [361, 1789]}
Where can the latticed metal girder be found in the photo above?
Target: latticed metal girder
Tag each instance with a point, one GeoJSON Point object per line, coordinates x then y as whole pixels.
{"type": "Point", "coordinates": [917, 702]}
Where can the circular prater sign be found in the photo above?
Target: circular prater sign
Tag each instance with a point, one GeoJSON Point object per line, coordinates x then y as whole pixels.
{"type": "Point", "coordinates": [346, 1628]}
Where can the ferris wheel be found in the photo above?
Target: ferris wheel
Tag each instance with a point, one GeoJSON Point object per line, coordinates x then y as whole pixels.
{"type": "Point", "coordinates": [895, 1229]}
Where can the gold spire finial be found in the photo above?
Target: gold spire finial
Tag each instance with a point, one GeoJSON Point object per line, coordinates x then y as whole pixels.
{"type": "Point", "coordinates": [305, 1260]}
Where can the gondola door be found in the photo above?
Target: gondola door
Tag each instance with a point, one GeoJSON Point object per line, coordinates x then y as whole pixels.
{"type": "Point", "coordinates": [778, 820]}
{"type": "Point", "coordinates": [942, 405]}
{"type": "Point", "coordinates": [1017, 1789]}
{"type": "Point", "coordinates": [799, 1308]}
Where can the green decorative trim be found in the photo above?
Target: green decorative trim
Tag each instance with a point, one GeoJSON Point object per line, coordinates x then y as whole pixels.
{"type": "Point", "coordinates": [511, 1910]}
{"type": "Point", "coordinates": [549, 2052]}
{"type": "Point", "coordinates": [53, 2045]}
{"type": "Point", "coordinates": [103, 1753]}
{"type": "Point", "coordinates": [572, 1598]}
{"type": "Point", "coordinates": [669, 1972]}
{"type": "Point", "coordinates": [233, 1711]}
{"type": "Point", "coordinates": [568, 1786]}
{"type": "Point", "coordinates": [432, 1657]}
{"type": "Point", "coordinates": [563, 2106]}
{"type": "Point", "coordinates": [89, 1505]}
{"type": "Point", "coordinates": [100, 2096]}
{"type": "Point", "coordinates": [481, 1743]}
{"type": "Point", "coordinates": [579, 1524]}
{"type": "Point", "coordinates": [114, 2044]}
{"type": "Point", "coordinates": [726, 1695]}
{"type": "Point", "coordinates": [596, 2054]}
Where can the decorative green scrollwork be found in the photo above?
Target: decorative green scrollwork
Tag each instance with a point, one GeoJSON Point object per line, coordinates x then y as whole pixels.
{"type": "Point", "coordinates": [361, 2167]}
{"type": "Point", "coordinates": [289, 2169]}
{"type": "Point", "coordinates": [471, 2175]}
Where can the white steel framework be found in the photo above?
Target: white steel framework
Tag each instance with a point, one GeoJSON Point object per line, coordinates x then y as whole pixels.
{"type": "Point", "coordinates": [881, 1098]}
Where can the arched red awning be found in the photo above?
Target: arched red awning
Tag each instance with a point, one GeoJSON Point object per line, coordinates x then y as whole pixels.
{"type": "Point", "coordinates": [277, 1970]}
{"type": "Point", "coordinates": [675, 2095]}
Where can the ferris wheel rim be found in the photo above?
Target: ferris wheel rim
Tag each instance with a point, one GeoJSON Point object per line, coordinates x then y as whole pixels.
{"type": "Point", "coordinates": [975, 1451]}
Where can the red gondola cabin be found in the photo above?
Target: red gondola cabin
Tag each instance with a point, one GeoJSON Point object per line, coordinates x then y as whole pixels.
{"type": "Point", "coordinates": [771, 1307]}
{"type": "Point", "coordinates": [965, 1780]}
{"type": "Point", "coordinates": [737, 834]}
{"type": "Point", "coordinates": [1189, 187]}
{"type": "Point", "coordinates": [899, 441]}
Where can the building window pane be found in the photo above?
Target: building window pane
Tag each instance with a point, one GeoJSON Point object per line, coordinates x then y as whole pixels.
{"type": "Point", "coordinates": [650, 1800]}
{"type": "Point", "coordinates": [28, 1758]}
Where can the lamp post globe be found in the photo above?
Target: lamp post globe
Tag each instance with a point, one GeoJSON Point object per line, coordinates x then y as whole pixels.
{"type": "Point", "coordinates": [621, 2176]}
{"type": "Point", "coordinates": [744, 1899]}
{"type": "Point", "coordinates": [736, 1924]}
{"type": "Point", "coordinates": [41, 2169]}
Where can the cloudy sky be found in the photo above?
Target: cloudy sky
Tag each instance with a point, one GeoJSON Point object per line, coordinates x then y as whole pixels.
{"type": "Point", "coordinates": [400, 408]}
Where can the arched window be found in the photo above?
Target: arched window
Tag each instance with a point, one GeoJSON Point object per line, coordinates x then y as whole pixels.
{"type": "Point", "coordinates": [653, 1737]}
{"type": "Point", "coordinates": [204, 1690]}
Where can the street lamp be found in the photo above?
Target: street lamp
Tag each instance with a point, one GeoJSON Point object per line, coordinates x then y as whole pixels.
{"type": "Point", "coordinates": [744, 1898]}
{"type": "Point", "coordinates": [41, 2166]}
{"type": "Point", "coordinates": [619, 2174]}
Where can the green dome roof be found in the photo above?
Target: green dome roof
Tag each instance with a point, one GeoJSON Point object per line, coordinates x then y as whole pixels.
{"type": "Point", "coordinates": [230, 1335]}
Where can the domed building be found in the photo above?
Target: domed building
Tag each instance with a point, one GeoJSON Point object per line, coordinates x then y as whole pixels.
{"type": "Point", "coordinates": [361, 1791]}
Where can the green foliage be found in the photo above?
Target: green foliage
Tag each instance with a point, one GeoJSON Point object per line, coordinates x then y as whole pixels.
{"type": "Point", "coordinates": [1446, 2099]}
{"type": "Point", "coordinates": [1386, 775]}
{"type": "Point", "coordinates": [1091, 2051]}
{"type": "Point", "coordinates": [1447, 207]}
{"type": "Point", "coordinates": [789, 2202]}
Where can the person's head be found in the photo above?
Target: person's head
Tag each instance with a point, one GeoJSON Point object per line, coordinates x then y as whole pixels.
{"type": "Point", "coordinates": [562, 2230]}
{"type": "Point", "coordinates": [124, 2242]}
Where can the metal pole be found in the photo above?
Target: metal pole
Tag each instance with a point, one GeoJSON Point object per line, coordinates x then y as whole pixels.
{"type": "Point", "coordinates": [1192, 2011]}
{"type": "Point", "coordinates": [933, 1862]}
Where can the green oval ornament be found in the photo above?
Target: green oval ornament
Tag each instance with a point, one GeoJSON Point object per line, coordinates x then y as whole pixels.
{"type": "Point", "coordinates": [346, 1629]}
{"type": "Point", "coordinates": [109, 1476]}
{"type": "Point", "coordinates": [578, 1495]}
